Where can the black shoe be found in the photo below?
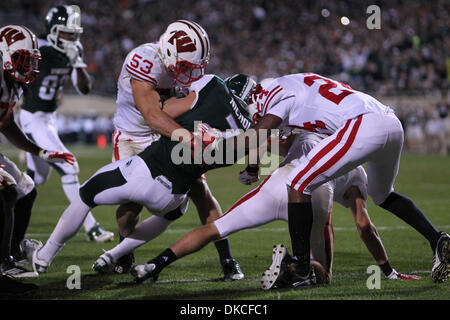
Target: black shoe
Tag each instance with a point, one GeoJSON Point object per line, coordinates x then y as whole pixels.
{"type": "Point", "coordinates": [14, 287]}
{"type": "Point", "coordinates": [282, 273]}
{"type": "Point", "coordinates": [124, 264]}
{"type": "Point", "coordinates": [10, 267]}
{"type": "Point", "coordinates": [231, 270]}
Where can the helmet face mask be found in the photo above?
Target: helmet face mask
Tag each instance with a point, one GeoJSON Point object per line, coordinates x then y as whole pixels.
{"type": "Point", "coordinates": [20, 53]}
{"type": "Point", "coordinates": [63, 24]}
{"type": "Point", "coordinates": [184, 49]}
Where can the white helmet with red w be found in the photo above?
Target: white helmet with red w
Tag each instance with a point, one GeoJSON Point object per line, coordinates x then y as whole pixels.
{"type": "Point", "coordinates": [20, 53]}
{"type": "Point", "coordinates": [185, 50]}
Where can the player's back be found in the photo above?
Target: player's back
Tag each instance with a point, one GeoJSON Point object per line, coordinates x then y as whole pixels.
{"type": "Point", "coordinates": [143, 64]}
{"type": "Point", "coordinates": [316, 103]}
{"type": "Point", "coordinates": [45, 92]}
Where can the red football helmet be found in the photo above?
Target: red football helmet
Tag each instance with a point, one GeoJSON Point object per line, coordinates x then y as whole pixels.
{"type": "Point", "coordinates": [19, 53]}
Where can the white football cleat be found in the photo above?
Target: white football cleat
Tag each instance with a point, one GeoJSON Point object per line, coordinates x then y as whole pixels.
{"type": "Point", "coordinates": [401, 276]}
{"type": "Point", "coordinates": [276, 269]}
{"type": "Point", "coordinates": [104, 264]}
{"type": "Point", "coordinates": [441, 260]}
{"type": "Point", "coordinates": [98, 234]}
{"type": "Point", "coordinates": [142, 272]}
{"type": "Point", "coordinates": [30, 248]}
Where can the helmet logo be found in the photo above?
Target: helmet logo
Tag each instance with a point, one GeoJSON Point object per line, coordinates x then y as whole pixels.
{"type": "Point", "coordinates": [12, 35]}
{"type": "Point", "coordinates": [183, 42]}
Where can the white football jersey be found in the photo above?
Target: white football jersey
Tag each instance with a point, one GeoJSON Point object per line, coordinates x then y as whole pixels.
{"type": "Point", "coordinates": [144, 64]}
{"type": "Point", "coordinates": [315, 103]}
{"type": "Point", "coordinates": [8, 99]}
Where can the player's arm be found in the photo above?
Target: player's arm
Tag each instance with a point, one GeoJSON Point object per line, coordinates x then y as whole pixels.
{"type": "Point", "coordinates": [176, 107]}
{"type": "Point", "coordinates": [148, 102]}
{"type": "Point", "coordinates": [366, 229]}
{"type": "Point", "coordinates": [81, 80]}
{"type": "Point", "coordinates": [16, 136]}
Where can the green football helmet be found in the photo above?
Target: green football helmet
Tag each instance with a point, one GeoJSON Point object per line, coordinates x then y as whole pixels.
{"type": "Point", "coordinates": [63, 26]}
{"type": "Point", "coordinates": [241, 85]}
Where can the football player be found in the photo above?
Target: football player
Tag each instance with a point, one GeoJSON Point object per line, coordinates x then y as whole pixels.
{"type": "Point", "coordinates": [150, 73]}
{"type": "Point", "coordinates": [153, 178]}
{"type": "Point", "coordinates": [361, 130]}
{"type": "Point", "coordinates": [61, 52]}
{"type": "Point", "coordinates": [19, 62]}
{"type": "Point", "coordinates": [268, 202]}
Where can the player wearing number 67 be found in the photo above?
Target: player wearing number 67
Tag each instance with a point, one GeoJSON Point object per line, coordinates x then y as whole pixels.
{"type": "Point", "coordinates": [360, 130]}
{"type": "Point", "coordinates": [61, 52]}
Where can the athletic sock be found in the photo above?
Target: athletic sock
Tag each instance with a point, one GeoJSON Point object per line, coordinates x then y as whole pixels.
{"type": "Point", "coordinates": [300, 219]}
{"type": "Point", "coordinates": [223, 248]}
{"type": "Point", "coordinates": [149, 229]}
{"type": "Point", "coordinates": [386, 268]}
{"type": "Point", "coordinates": [71, 188]}
{"type": "Point", "coordinates": [22, 216]}
{"type": "Point", "coordinates": [404, 208]}
{"type": "Point", "coordinates": [67, 227]}
{"type": "Point", "coordinates": [163, 260]}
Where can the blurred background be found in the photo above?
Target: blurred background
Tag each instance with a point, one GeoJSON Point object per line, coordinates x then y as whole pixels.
{"type": "Point", "coordinates": [405, 64]}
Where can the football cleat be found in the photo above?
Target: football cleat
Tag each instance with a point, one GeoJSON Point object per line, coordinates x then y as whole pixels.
{"type": "Point", "coordinates": [142, 272]}
{"type": "Point", "coordinates": [98, 234]}
{"type": "Point", "coordinates": [124, 264]}
{"type": "Point", "coordinates": [11, 269]}
{"type": "Point", "coordinates": [29, 249]}
{"type": "Point", "coordinates": [282, 272]}
{"type": "Point", "coordinates": [104, 264]}
{"type": "Point", "coordinates": [441, 260]}
{"type": "Point", "coordinates": [400, 276]}
{"type": "Point", "coordinates": [231, 270]}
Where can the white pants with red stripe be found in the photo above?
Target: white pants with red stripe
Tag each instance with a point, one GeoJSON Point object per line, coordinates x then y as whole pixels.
{"type": "Point", "coordinates": [268, 202]}
{"type": "Point", "coordinates": [126, 145]}
{"type": "Point", "coordinates": [375, 139]}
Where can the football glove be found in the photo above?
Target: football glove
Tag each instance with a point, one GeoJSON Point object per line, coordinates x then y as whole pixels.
{"type": "Point", "coordinates": [6, 179]}
{"type": "Point", "coordinates": [74, 51]}
{"type": "Point", "coordinates": [56, 156]}
{"type": "Point", "coordinates": [249, 175]}
{"type": "Point", "coordinates": [205, 137]}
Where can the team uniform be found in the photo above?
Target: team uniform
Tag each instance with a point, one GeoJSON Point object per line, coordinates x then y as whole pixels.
{"type": "Point", "coordinates": [38, 114]}
{"type": "Point", "coordinates": [151, 178]}
{"type": "Point", "coordinates": [360, 128]}
{"type": "Point", "coordinates": [268, 202]}
{"type": "Point", "coordinates": [9, 95]}
{"type": "Point", "coordinates": [132, 133]}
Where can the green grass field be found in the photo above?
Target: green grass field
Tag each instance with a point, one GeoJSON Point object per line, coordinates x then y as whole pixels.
{"type": "Point", "coordinates": [423, 178]}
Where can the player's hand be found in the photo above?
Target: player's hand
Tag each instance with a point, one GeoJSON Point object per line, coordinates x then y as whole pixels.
{"type": "Point", "coordinates": [57, 157]}
{"type": "Point", "coordinates": [74, 51]}
{"type": "Point", "coordinates": [6, 179]}
{"type": "Point", "coordinates": [249, 175]}
{"type": "Point", "coordinates": [204, 137]}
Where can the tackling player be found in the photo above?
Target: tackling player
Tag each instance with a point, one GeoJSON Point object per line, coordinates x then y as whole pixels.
{"type": "Point", "coordinates": [151, 178]}
{"type": "Point", "coordinates": [361, 130]}
{"type": "Point", "coordinates": [19, 62]}
{"type": "Point", "coordinates": [61, 53]}
{"type": "Point", "coordinates": [150, 73]}
{"type": "Point", "coordinates": [268, 202]}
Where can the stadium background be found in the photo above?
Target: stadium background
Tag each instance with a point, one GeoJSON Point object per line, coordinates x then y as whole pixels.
{"type": "Point", "coordinates": [405, 64]}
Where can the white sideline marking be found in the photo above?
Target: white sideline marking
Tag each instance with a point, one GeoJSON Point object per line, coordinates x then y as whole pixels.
{"type": "Point", "coordinates": [38, 235]}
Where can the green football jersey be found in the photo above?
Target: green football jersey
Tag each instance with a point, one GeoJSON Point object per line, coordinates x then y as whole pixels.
{"type": "Point", "coordinates": [215, 106]}
{"type": "Point", "coordinates": [45, 92]}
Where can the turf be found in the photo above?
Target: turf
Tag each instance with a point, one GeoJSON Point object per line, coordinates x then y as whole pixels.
{"type": "Point", "coordinates": [423, 178]}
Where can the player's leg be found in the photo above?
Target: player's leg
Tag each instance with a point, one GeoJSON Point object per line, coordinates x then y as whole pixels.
{"type": "Point", "coordinates": [256, 208]}
{"type": "Point", "coordinates": [322, 234]}
{"type": "Point", "coordinates": [41, 128]}
{"type": "Point", "coordinates": [332, 157]}
{"type": "Point", "coordinates": [209, 210]}
{"type": "Point", "coordinates": [382, 170]}
{"type": "Point", "coordinates": [8, 197]}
